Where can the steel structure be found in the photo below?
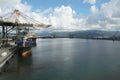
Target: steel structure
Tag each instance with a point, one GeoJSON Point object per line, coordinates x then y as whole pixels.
{"type": "Point", "coordinates": [16, 25]}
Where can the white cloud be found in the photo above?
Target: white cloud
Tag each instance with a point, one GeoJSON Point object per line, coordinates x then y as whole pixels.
{"type": "Point", "coordinates": [7, 6]}
{"type": "Point", "coordinates": [94, 9]}
{"type": "Point", "coordinates": [89, 1]}
{"type": "Point", "coordinates": [63, 17]}
{"type": "Point", "coordinates": [110, 13]}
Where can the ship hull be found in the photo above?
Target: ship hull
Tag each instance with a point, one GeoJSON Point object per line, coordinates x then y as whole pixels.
{"type": "Point", "coordinates": [24, 51]}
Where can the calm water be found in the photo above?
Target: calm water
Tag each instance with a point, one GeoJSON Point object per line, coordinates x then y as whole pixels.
{"type": "Point", "coordinates": [67, 59]}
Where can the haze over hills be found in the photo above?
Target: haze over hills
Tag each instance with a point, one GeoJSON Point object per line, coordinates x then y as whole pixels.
{"type": "Point", "coordinates": [80, 34]}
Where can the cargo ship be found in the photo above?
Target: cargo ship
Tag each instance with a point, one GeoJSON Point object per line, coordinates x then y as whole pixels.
{"type": "Point", "coordinates": [25, 44]}
{"type": "Point", "coordinates": [23, 47]}
{"type": "Point", "coordinates": [32, 38]}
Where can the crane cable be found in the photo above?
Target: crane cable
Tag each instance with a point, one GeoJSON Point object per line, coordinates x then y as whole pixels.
{"type": "Point", "coordinates": [30, 18]}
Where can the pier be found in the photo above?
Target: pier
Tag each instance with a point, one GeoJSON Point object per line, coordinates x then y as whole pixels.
{"type": "Point", "coordinates": [5, 55]}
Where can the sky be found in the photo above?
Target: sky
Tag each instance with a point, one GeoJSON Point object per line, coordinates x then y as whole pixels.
{"type": "Point", "coordinates": [80, 6]}
{"type": "Point", "coordinates": [69, 14]}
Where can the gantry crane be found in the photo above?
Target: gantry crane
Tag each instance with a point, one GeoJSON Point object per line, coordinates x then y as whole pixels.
{"type": "Point", "coordinates": [16, 25]}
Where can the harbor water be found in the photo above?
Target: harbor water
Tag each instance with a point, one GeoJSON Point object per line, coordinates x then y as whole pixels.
{"type": "Point", "coordinates": [67, 59]}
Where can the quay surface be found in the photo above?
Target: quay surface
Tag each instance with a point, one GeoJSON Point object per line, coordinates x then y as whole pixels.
{"type": "Point", "coordinates": [5, 55]}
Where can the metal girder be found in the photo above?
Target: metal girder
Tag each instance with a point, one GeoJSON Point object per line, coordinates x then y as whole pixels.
{"type": "Point", "coordinates": [16, 24]}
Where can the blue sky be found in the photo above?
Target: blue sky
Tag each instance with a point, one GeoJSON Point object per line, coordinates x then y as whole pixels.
{"type": "Point", "coordinates": [76, 5]}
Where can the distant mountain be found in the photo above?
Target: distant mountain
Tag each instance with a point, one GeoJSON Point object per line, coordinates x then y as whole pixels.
{"type": "Point", "coordinates": [96, 33]}
{"type": "Point", "coordinates": [77, 34]}
{"type": "Point", "coordinates": [80, 34]}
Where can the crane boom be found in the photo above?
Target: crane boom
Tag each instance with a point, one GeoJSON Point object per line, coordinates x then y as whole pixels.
{"type": "Point", "coordinates": [17, 22]}
{"type": "Point", "coordinates": [23, 24]}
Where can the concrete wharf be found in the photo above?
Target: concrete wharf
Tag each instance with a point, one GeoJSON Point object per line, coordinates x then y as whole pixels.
{"type": "Point", "coordinates": [5, 55]}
